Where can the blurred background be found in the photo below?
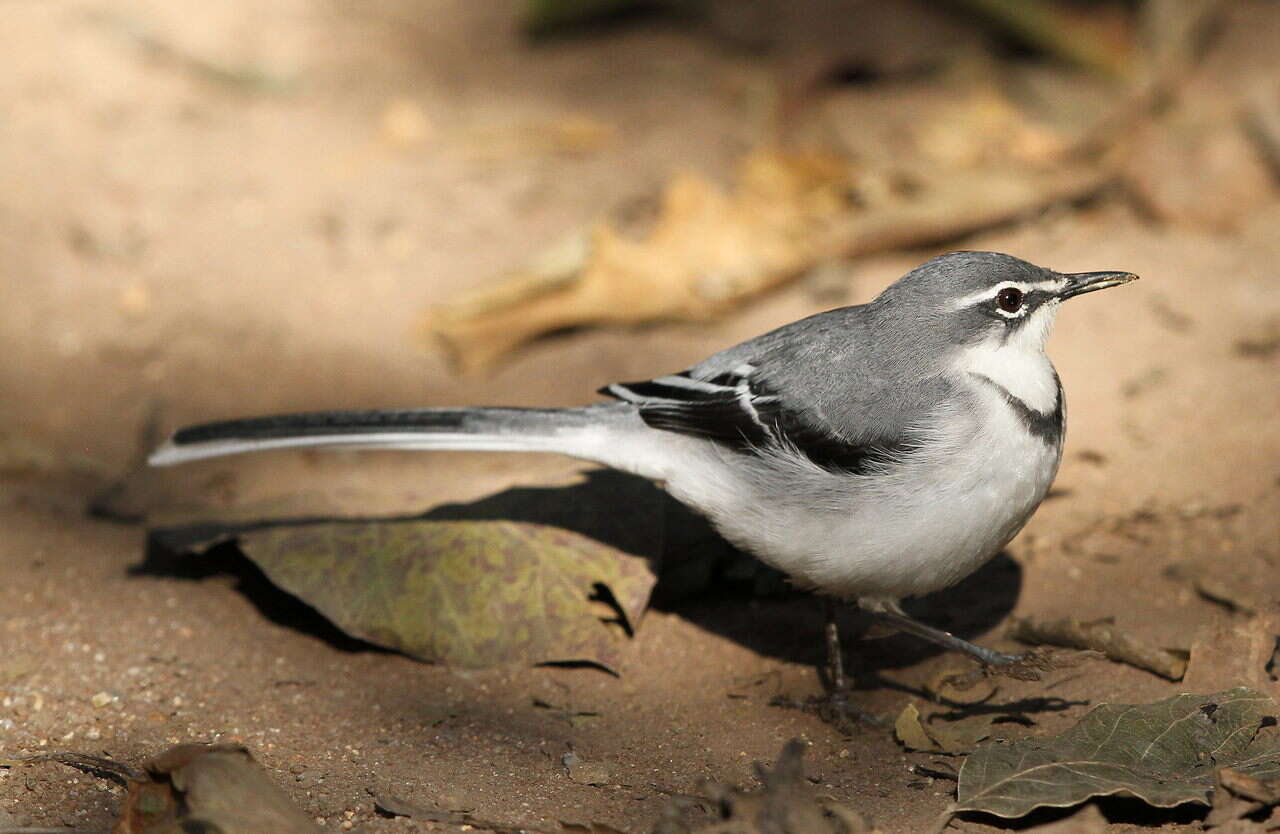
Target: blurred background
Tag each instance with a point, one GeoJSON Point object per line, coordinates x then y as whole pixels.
{"type": "Point", "coordinates": [218, 209]}
{"type": "Point", "coordinates": [232, 209]}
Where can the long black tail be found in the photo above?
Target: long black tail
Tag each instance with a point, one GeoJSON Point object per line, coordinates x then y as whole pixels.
{"type": "Point", "coordinates": [573, 431]}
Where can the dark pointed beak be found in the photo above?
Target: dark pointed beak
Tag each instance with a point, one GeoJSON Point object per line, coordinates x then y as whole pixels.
{"type": "Point", "coordinates": [1082, 282]}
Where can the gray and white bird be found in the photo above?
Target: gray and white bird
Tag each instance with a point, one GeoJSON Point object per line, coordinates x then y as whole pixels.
{"type": "Point", "coordinates": [871, 453]}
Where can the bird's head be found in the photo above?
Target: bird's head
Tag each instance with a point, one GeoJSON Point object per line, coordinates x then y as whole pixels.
{"type": "Point", "coordinates": [990, 299]}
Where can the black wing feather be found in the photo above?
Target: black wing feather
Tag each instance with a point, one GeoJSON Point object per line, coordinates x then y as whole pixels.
{"type": "Point", "coordinates": [740, 412]}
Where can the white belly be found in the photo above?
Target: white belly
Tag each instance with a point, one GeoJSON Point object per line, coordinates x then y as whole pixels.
{"type": "Point", "coordinates": [924, 526]}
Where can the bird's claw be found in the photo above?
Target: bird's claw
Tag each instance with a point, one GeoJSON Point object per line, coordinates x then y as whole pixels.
{"type": "Point", "coordinates": [834, 709]}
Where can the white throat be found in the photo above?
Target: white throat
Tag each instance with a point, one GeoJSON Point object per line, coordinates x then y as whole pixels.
{"type": "Point", "coordinates": [1019, 363]}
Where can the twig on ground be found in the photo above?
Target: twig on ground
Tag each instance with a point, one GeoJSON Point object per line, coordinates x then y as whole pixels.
{"type": "Point", "coordinates": [94, 765]}
{"type": "Point", "coordinates": [1101, 636]}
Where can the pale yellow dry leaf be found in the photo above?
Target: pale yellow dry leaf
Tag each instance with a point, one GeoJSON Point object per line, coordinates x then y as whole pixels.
{"type": "Point", "coordinates": [709, 249]}
{"type": "Point", "coordinates": [985, 128]}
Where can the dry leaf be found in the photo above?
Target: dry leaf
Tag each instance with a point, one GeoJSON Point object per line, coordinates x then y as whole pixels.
{"type": "Point", "coordinates": [214, 788]}
{"type": "Point", "coordinates": [466, 593]}
{"type": "Point", "coordinates": [985, 128]}
{"type": "Point", "coordinates": [1237, 796]}
{"type": "Point", "coordinates": [783, 805]}
{"type": "Point", "coordinates": [950, 737]}
{"type": "Point", "coordinates": [217, 786]}
{"type": "Point", "coordinates": [709, 249]}
{"type": "Point", "coordinates": [910, 731]}
{"type": "Point", "coordinates": [1229, 652]}
{"type": "Point", "coordinates": [1165, 754]}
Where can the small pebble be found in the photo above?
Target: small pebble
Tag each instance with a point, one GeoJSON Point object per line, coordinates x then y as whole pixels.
{"type": "Point", "coordinates": [100, 699]}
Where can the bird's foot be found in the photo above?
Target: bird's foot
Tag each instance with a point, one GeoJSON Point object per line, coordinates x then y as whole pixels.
{"type": "Point", "coordinates": [1028, 666]}
{"type": "Point", "coordinates": [833, 708]}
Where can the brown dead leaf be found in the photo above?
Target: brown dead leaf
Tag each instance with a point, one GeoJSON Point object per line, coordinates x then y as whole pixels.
{"type": "Point", "coordinates": [218, 786]}
{"type": "Point", "coordinates": [103, 768]}
{"type": "Point", "coordinates": [215, 788]}
{"type": "Point", "coordinates": [783, 805]}
{"type": "Point", "coordinates": [709, 249]}
{"type": "Point", "coordinates": [706, 249]}
{"type": "Point", "coordinates": [910, 731]}
{"type": "Point", "coordinates": [940, 736]}
{"type": "Point", "coordinates": [1233, 653]}
{"type": "Point", "coordinates": [1165, 753]}
{"type": "Point", "coordinates": [985, 128]}
{"type": "Point", "coordinates": [1237, 796]}
{"type": "Point", "coordinates": [465, 593]}
{"type": "Point", "coordinates": [470, 593]}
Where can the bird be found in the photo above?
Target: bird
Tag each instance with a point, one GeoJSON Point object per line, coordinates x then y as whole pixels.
{"type": "Point", "coordinates": [871, 453]}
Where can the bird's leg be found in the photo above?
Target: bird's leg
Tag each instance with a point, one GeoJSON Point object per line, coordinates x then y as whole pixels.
{"type": "Point", "coordinates": [834, 707]}
{"type": "Point", "coordinates": [835, 658]}
{"type": "Point", "coordinates": [946, 639]}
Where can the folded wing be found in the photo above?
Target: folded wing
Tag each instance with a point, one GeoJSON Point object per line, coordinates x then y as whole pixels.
{"type": "Point", "coordinates": [740, 410]}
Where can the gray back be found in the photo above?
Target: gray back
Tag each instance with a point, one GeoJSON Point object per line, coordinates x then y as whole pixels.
{"type": "Point", "coordinates": [877, 367]}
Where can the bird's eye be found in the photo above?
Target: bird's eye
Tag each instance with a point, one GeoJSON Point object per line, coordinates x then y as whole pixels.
{"type": "Point", "coordinates": [1010, 299]}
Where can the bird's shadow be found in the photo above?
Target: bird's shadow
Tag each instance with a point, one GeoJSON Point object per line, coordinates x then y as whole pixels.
{"type": "Point", "coordinates": [700, 576]}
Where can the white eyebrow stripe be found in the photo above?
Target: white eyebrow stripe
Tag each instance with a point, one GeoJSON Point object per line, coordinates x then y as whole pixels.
{"type": "Point", "coordinates": [1049, 285]}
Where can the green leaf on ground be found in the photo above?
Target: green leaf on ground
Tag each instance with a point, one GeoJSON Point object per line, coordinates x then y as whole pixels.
{"type": "Point", "coordinates": [1165, 754]}
{"type": "Point", "coordinates": [464, 593]}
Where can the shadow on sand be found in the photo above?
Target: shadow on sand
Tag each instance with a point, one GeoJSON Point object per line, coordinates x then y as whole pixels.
{"type": "Point", "coordinates": [701, 576]}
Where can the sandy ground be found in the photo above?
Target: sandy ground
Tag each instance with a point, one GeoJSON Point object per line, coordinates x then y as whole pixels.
{"type": "Point", "coordinates": [174, 245]}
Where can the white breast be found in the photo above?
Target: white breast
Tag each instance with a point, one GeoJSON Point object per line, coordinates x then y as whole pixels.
{"type": "Point", "coordinates": [940, 518]}
{"type": "Point", "coordinates": [921, 527]}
